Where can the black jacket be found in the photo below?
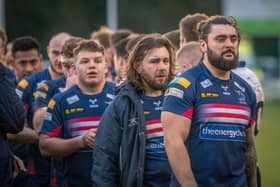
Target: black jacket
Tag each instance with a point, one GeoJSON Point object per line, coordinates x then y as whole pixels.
{"type": "Point", "coordinates": [119, 152]}
{"type": "Point", "coordinates": [12, 116]}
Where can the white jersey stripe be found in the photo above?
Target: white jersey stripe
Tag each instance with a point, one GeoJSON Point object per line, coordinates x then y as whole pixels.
{"type": "Point", "coordinates": [154, 135]}
{"type": "Point", "coordinates": [225, 120]}
{"type": "Point", "coordinates": [83, 124]}
{"type": "Point", "coordinates": [225, 110]}
{"type": "Point", "coordinates": [153, 126]}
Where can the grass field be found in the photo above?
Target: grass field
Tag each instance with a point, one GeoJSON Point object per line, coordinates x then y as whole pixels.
{"type": "Point", "coordinates": [267, 142]}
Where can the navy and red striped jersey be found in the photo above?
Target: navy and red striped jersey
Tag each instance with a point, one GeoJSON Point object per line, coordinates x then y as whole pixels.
{"type": "Point", "coordinates": [71, 114]}
{"type": "Point", "coordinates": [157, 171]}
{"type": "Point", "coordinates": [38, 165]}
{"type": "Point", "coordinates": [220, 111]}
{"type": "Point", "coordinates": [47, 90]}
{"type": "Point", "coordinates": [26, 89]}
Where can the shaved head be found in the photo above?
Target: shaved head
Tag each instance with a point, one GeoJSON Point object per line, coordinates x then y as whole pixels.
{"type": "Point", "coordinates": [59, 38]}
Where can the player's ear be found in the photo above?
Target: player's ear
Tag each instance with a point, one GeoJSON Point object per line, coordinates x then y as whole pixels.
{"type": "Point", "coordinates": [203, 46]}
{"type": "Point", "coordinates": [138, 67]}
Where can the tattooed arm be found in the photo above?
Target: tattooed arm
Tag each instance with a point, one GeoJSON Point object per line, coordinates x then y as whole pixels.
{"type": "Point", "coordinates": [251, 158]}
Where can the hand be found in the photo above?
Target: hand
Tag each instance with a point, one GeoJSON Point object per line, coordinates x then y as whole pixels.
{"type": "Point", "coordinates": [18, 165]}
{"type": "Point", "coordinates": [88, 138]}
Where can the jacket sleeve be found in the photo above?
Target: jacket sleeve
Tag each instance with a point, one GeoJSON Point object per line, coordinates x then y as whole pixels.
{"type": "Point", "coordinates": [106, 171]}
{"type": "Point", "coordinates": [11, 108]}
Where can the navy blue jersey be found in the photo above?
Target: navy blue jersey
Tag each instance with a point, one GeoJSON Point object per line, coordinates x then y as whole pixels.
{"type": "Point", "coordinates": [221, 111]}
{"type": "Point", "coordinates": [43, 95]}
{"type": "Point", "coordinates": [157, 170]}
{"type": "Point", "coordinates": [72, 114]}
{"type": "Point", "coordinates": [26, 90]}
{"type": "Point", "coordinates": [47, 90]}
{"type": "Point", "coordinates": [38, 166]}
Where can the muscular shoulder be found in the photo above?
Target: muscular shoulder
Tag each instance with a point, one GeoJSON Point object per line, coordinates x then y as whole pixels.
{"type": "Point", "coordinates": [24, 87]}
{"type": "Point", "coordinates": [188, 78]}
{"type": "Point", "coordinates": [61, 100]}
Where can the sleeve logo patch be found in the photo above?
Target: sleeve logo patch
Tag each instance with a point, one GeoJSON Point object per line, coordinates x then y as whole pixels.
{"type": "Point", "coordinates": [40, 94]}
{"type": "Point", "coordinates": [44, 87]}
{"type": "Point", "coordinates": [23, 84]}
{"type": "Point", "coordinates": [48, 116]}
{"type": "Point", "coordinates": [174, 92]}
{"type": "Point", "coordinates": [183, 82]}
{"type": "Point", "coordinates": [19, 93]}
{"type": "Point", "coordinates": [51, 104]}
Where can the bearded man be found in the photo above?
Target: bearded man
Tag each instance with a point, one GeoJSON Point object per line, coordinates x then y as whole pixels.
{"type": "Point", "coordinates": [129, 148]}
{"type": "Point", "coordinates": [209, 114]}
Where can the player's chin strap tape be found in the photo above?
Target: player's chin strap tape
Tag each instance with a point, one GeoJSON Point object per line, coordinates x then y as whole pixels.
{"type": "Point", "coordinates": [260, 106]}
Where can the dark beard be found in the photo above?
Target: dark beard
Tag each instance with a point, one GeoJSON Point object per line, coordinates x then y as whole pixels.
{"type": "Point", "coordinates": [220, 63]}
{"type": "Point", "coordinates": [53, 68]}
{"type": "Point", "coordinates": [155, 85]}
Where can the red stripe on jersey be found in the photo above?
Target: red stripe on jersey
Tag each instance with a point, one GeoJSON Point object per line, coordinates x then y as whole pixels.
{"type": "Point", "coordinates": [218, 105]}
{"type": "Point", "coordinates": [252, 121]}
{"type": "Point", "coordinates": [159, 129]}
{"type": "Point", "coordinates": [55, 132]}
{"type": "Point", "coordinates": [151, 122]}
{"type": "Point", "coordinates": [83, 128]}
{"type": "Point", "coordinates": [95, 118]}
{"type": "Point", "coordinates": [188, 113]}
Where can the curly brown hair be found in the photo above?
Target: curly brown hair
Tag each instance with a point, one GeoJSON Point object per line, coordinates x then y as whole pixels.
{"type": "Point", "coordinates": [139, 52]}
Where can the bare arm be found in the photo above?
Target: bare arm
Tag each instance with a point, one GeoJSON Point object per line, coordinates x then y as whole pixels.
{"type": "Point", "coordinates": [176, 129]}
{"type": "Point", "coordinates": [251, 158]}
{"type": "Point", "coordinates": [53, 146]}
{"type": "Point", "coordinates": [38, 118]}
{"type": "Point", "coordinates": [27, 136]}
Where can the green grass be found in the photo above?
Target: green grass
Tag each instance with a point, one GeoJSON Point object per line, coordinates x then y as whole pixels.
{"type": "Point", "coordinates": [267, 142]}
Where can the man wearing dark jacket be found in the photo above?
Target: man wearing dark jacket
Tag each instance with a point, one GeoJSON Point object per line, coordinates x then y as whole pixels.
{"type": "Point", "coordinates": [129, 149]}
{"type": "Point", "coordinates": [12, 115]}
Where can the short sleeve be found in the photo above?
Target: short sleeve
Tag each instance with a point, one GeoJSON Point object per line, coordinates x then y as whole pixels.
{"type": "Point", "coordinates": [179, 97]}
{"type": "Point", "coordinates": [53, 121]}
{"type": "Point", "coordinates": [43, 95]}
